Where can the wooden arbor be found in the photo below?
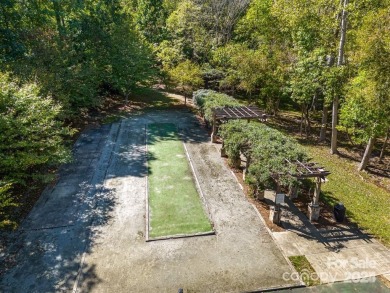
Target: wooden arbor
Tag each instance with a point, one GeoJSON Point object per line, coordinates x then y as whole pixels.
{"type": "Point", "coordinates": [310, 170]}
{"type": "Point", "coordinates": [241, 112]}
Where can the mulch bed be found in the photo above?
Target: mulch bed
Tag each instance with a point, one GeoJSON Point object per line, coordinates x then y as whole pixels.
{"type": "Point", "coordinates": [261, 206]}
{"type": "Point", "coordinates": [326, 220]}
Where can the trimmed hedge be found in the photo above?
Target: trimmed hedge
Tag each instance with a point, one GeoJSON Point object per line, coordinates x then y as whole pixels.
{"type": "Point", "coordinates": [207, 100]}
{"type": "Point", "coordinates": [265, 148]}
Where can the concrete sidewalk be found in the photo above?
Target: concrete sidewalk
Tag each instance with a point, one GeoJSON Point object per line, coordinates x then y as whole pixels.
{"type": "Point", "coordinates": [336, 254]}
{"type": "Point", "coordinates": [375, 286]}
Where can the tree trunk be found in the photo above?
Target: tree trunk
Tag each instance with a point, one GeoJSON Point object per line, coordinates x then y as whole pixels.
{"type": "Point", "coordinates": [340, 61]}
{"type": "Point", "coordinates": [307, 122]}
{"type": "Point", "coordinates": [344, 15]}
{"type": "Point", "coordinates": [59, 21]}
{"type": "Point", "coordinates": [335, 110]}
{"type": "Point", "coordinates": [324, 122]}
{"type": "Point", "coordinates": [367, 154]}
{"type": "Point", "coordinates": [384, 147]}
{"type": "Point", "coordinates": [301, 127]}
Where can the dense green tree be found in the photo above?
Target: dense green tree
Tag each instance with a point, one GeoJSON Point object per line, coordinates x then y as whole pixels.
{"type": "Point", "coordinates": [150, 18]}
{"type": "Point", "coordinates": [31, 132]}
{"type": "Point", "coordinates": [367, 107]}
{"type": "Point", "coordinates": [78, 50]}
{"type": "Point", "coordinates": [188, 76]}
{"type": "Point", "coordinates": [11, 46]}
{"type": "Point", "coordinates": [62, 58]}
{"type": "Point", "coordinates": [306, 84]}
{"type": "Point", "coordinates": [187, 32]}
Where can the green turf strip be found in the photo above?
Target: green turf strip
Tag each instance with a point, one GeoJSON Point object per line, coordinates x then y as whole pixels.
{"type": "Point", "coordinates": [175, 207]}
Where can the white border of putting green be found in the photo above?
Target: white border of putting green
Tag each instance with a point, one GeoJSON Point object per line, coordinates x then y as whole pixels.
{"type": "Point", "coordinates": [198, 188]}
{"type": "Point", "coordinates": [146, 185]}
{"type": "Point", "coordinates": [200, 192]}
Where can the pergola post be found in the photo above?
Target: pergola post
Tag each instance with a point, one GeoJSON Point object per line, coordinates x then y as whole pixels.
{"type": "Point", "coordinates": [314, 207]}
{"type": "Point", "coordinates": [278, 187]}
{"type": "Point", "coordinates": [293, 192]}
{"type": "Point", "coordinates": [247, 164]}
{"type": "Point", "coordinates": [275, 214]}
{"type": "Point", "coordinates": [317, 191]}
{"type": "Point", "coordinates": [223, 151]}
{"type": "Point", "coordinates": [214, 132]}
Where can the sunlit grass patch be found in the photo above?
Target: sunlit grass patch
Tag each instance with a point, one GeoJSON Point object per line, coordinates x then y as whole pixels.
{"type": "Point", "coordinates": [305, 270]}
{"type": "Point", "coordinates": [367, 204]}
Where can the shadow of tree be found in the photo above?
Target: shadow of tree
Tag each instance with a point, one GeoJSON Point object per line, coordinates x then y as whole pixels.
{"type": "Point", "coordinates": [333, 236]}
{"type": "Point", "coordinates": [47, 251]}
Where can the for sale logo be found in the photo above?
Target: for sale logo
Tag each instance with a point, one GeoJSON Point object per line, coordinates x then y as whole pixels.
{"type": "Point", "coordinates": [353, 270]}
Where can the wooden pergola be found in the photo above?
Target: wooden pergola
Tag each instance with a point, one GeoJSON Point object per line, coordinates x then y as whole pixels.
{"type": "Point", "coordinates": [305, 170]}
{"type": "Point", "coordinates": [308, 170]}
{"type": "Point", "coordinates": [239, 112]}
{"type": "Point", "coordinates": [302, 170]}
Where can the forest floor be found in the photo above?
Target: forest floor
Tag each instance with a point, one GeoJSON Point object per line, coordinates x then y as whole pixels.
{"type": "Point", "coordinates": [377, 171]}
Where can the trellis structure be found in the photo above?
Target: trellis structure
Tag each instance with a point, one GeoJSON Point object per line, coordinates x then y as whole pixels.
{"type": "Point", "coordinates": [308, 170]}
{"type": "Point", "coordinates": [311, 170]}
{"type": "Point", "coordinates": [303, 170]}
{"type": "Point", "coordinates": [240, 112]}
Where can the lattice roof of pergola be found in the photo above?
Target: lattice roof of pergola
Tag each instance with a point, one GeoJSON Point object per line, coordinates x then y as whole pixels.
{"type": "Point", "coordinates": [241, 112]}
{"type": "Point", "coordinates": [308, 170]}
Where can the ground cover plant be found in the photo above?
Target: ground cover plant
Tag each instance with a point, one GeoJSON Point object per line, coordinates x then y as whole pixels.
{"type": "Point", "coordinates": [175, 207]}
{"type": "Point", "coordinates": [305, 270]}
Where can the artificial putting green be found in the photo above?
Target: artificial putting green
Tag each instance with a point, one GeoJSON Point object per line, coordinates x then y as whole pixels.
{"type": "Point", "coordinates": [175, 207]}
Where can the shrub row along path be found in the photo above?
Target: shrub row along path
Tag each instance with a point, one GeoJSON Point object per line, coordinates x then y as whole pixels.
{"type": "Point", "coordinates": [87, 233]}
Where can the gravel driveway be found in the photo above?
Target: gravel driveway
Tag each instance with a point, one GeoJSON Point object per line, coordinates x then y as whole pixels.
{"type": "Point", "coordinates": [87, 233]}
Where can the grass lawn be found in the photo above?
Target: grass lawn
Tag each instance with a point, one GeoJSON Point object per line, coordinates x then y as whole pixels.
{"type": "Point", "coordinates": [305, 270]}
{"type": "Point", "coordinates": [366, 203]}
{"type": "Point", "coordinates": [175, 207]}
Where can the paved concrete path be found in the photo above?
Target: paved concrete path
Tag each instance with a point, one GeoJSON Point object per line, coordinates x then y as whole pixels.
{"type": "Point", "coordinates": [374, 286]}
{"type": "Point", "coordinates": [336, 254]}
{"type": "Point", "coordinates": [87, 234]}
